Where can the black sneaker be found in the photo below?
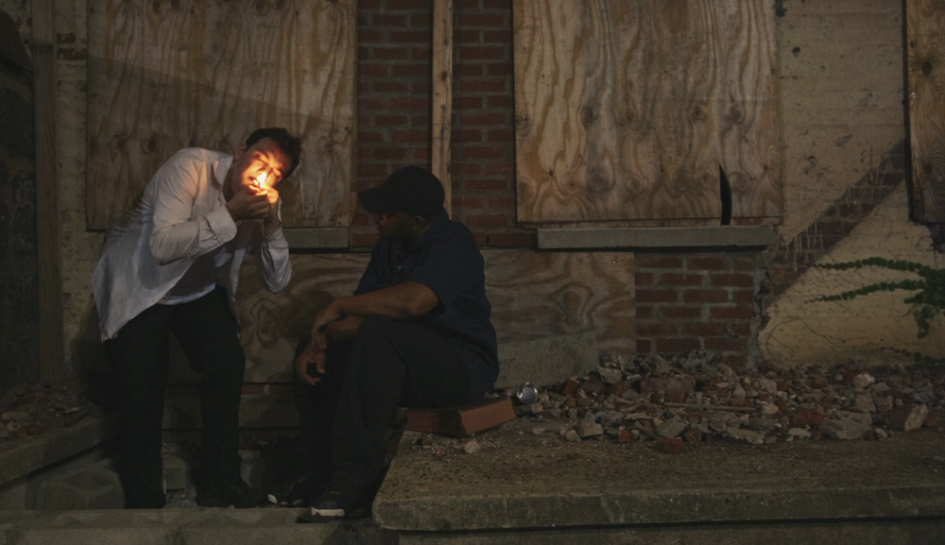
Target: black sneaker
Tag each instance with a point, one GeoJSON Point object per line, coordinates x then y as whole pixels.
{"type": "Point", "coordinates": [302, 490]}
{"type": "Point", "coordinates": [239, 495]}
{"type": "Point", "coordinates": [334, 504]}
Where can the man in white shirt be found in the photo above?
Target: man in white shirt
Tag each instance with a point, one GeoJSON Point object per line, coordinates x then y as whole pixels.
{"type": "Point", "coordinates": [172, 265]}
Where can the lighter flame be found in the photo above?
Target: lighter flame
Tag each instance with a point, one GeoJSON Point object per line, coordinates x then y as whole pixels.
{"type": "Point", "coordinates": [260, 180]}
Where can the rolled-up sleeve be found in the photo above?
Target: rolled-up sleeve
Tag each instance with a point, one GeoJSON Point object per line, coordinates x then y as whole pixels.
{"type": "Point", "coordinates": [272, 260]}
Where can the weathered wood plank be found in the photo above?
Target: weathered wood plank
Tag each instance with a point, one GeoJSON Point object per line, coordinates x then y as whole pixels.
{"type": "Point", "coordinates": [626, 110]}
{"type": "Point", "coordinates": [533, 295]}
{"type": "Point", "coordinates": [925, 27]}
{"type": "Point", "coordinates": [442, 95]}
{"type": "Point", "coordinates": [51, 343]}
{"type": "Point", "coordinates": [164, 75]}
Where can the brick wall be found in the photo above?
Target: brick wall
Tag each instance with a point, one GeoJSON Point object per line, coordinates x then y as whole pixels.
{"type": "Point", "coordinates": [394, 97]}
{"type": "Point", "coordinates": [696, 301]}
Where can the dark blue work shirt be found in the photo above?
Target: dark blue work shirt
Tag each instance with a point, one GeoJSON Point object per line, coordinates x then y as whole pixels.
{"type": "Point", "coordinates": [446, 260]}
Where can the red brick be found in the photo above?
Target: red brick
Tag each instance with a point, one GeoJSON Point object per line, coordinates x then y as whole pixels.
{"type": "Point", "coordinates": [502, 203]}
{"type": "Point", "coordinates": [482, 53]}
{"type": "Point", "coordinates": [467, 103]}
{"type": "Point", "coordinates": [466, 135]}
{"type": "Point", "coordinates": [511, 240]}
{"type": "Point", "coordinates": [643, 279]}
{"type": "Point", "coordinates": [362, 240]}
{"type": "Point", "coordinates": [500, 135]}
{"type": "Point", "coordinates": [704, 329]}
{"type": "Point", "coordinates": [390, 87]}
{"type": "Point", "coordinates": [389, 53]}
{"type": "Point", "coordinates": [487, 220]}
{"type": "Point", "coordinates": [679, 279]}
{"type": "Point", "coordinates": [677, 345]}
{"type": "Point", "coordinates": [484, 119]}
{"type": "Point", "coordinates": [386, 19]}
{"type": "Point", "coordinates": [732, 280]}
{"type": "Point", "coordinates": [481, 19]}
{"type": "Point", "coordinates": [482, 239]}
{"type": "Point", "coordinates": [725, 344]}
{"type": "Point", "coordinates": [743, 296]}
{"type": "Point", "coordinates": [644, 346]}
{"type": "Point", "coordinates": [643, 312]}
{"type": "Point", "coordinates": [411, 36]}
{"type": "Point", "coordinates": [466, 201]}
{"type": "Point", "coordinates": [391, 154]}
{"type": "Point", "coordinates": [409, 70]}
{"type": "Point", "coordinates": [497, 36]}
{"type": "Point", "coordinates": [656, 329]}
{"type": "Point", "coordinates": [744, 263]}
{"type": "Point", "coordinates": [658, 262]}
{"type": "Point", "coordinates": [373, 70]}
{"type": "Point", "coordinates": [472, 86]}
{"type": "Point", "coordinates": [680, 312]}
{"type": "Point", "coordinates": [739, 312]}
{"type": "Point", "coordinates": [705, 296]}
{"type": "Point", "coordinates": [656, 296]}
{"type": "Point", "coordinates": [485, 185]}
{"type": "Point", "coordinates": [710, 263]}
{"type": "Point", "coordinates": [500, 101]}
{"type": "Point", "coordinates": [480, 152]}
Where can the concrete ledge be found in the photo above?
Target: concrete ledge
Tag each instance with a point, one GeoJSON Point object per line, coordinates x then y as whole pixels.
{"type": "Point", "coordinates": [521, 480]}
{"type": "Point", "coordinates": [179, 527]}
{"type": "Point", "coordinates": [727, 236]}
{"type": "Point", "coordinates": [328, 238]}
{"type": "Point", "coordinates": [54, 446]}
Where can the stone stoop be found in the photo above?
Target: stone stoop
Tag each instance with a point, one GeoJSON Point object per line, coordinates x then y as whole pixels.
{"type": "Point", "coordinates": [183, 526]}
{"type": "Point", "coordinates": [516, 489]}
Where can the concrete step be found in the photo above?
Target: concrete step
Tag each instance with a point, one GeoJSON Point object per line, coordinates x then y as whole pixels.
{"type": "Point", "coordinates": [522, 487]}
{"type": "Point", "coordinates": [182, 526]}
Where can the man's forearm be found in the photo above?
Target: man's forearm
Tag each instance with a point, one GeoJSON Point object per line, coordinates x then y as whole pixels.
{"type": "Point", "coordinates": [403, 302]}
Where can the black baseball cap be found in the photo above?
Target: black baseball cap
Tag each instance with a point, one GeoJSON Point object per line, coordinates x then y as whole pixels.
{"type": "Point", "coordinates": [413, 190]}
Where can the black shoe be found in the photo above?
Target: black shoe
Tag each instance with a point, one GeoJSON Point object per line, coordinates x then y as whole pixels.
{"type": "Point", "coordinates": [239, 495]}
{"type": "Point", "coordinates": [335, 504]}
{"type": "Point", "coordinates": [302, 490]}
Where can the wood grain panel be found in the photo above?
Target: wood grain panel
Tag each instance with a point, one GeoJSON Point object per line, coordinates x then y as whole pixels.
{"type": "Point", "coordinates": [442, 110]}
{"type": "Point", "coordinates": [625, 110]}
{"type": "Point", "coordinates": [52, 365]}
{"type": "Point", "coordinates": [167, 74]}
{"type": "Point", "coordinates": [533, 295]}
{"type": "Point", "coordinates": [925, 29]}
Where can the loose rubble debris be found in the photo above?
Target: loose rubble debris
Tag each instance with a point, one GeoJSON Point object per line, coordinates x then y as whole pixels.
{"type": "Point", "coordinates": [28, 410]}
{"type": "Point", "coordinates": [671, 401]}
{"type": "Point", "coordinates": [693, 398]}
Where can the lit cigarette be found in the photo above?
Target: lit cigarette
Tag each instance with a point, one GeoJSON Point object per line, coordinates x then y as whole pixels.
{"type": "Point", "coordinates": [260, 180]}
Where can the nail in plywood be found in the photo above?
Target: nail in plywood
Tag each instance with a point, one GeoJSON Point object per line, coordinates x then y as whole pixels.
{"type": "Point", "coordinates": [626, 110]}
{"type": "Point", "coordinates": [168, 75]}
{"type": "Point", "coordinates": [925, 26]}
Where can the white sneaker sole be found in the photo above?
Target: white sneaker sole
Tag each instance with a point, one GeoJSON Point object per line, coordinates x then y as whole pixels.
{"type": "Point", "coordinates": [335, 513]}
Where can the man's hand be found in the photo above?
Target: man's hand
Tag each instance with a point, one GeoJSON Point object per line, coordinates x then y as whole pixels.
{"type": "Point", "coordinates": [314, 353]}
{"type": "Point", "coordinates": [250, 203]}
{"type": "Point", "coordinates": [328, 315]}
{"type": "Point", "coordinates": [273, 196]}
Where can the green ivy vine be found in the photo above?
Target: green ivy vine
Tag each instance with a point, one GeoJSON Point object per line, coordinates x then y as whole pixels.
{"type": "Point", "coordinates": [929, 301]}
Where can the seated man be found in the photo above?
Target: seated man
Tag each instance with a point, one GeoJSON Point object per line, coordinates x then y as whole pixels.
{"type": "Point", "coordinates": [416, 333]}
{"type": "Point", "coordinates": [172, 265]}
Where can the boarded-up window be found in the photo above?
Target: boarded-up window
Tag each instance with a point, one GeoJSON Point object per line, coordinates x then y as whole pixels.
{"type": "Point", "coordinates": [629, 110]}
{"type": "Point", "coordinates": [926, 64]}
{"type": "Point", "coordinates": [164, 75]}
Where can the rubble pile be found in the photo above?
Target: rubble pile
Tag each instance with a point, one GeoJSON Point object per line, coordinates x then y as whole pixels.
{"type": "Point", "coordinates": [27, 410]}
{"type": "Point", "coordinates": [694, 398]}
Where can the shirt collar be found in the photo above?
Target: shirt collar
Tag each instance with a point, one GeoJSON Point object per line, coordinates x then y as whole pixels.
{"type": "Point", "coordinates": [220, 167]}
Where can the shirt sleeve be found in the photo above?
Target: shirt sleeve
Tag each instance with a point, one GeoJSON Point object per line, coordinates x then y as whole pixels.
{"type": "Point", "coordinates": [450, 266]}
{"type": "Point", "coordinates": [372, 279]}
{"type": "Point", "coordinates": [177, 234]}
{"type": "Point", "coordinates": [272, 257]}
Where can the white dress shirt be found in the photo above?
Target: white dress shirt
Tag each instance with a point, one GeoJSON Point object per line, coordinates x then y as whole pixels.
{"type": "Point", "coordinates": [179, 227]}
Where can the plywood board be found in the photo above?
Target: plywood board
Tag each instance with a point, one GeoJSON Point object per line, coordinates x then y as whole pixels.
{"type": "Point", "coordinates": [534, 295]}
{"type": "Point", "coordinates": [626, 110]}
{"type": "Point", "coordinates": [164, 75]}
{"type": "Point", "coordinates": [925, 29]}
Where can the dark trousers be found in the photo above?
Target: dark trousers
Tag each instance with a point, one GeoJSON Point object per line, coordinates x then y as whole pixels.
{"type": "Point", "coordinates": [390, 363]}
{"type": "Point", "coordinates": [208, 333]}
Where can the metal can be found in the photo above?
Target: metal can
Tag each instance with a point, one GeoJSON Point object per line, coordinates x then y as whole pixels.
{"type": "Point", "coordinates": [526, 394]}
